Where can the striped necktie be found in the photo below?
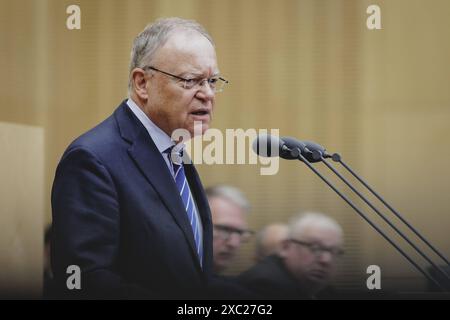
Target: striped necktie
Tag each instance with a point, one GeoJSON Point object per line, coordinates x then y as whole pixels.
{"type": "Point", "coordinates": [188, 201]}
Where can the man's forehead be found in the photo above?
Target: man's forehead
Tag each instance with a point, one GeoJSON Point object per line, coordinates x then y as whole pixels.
{"type": "Point", "coordinates": [195, 57]}
{"type": "Point", "coordinates": [225, 210]}
{"type": "Point", "coordinates": [187, 43]}
{"type": "Point", "coordinates": [183, 37]}
{"type": "Point", "coordinates": [321, 234]}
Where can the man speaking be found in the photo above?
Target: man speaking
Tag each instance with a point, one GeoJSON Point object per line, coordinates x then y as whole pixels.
{"type": "Point", "coordinates": [133, 218]}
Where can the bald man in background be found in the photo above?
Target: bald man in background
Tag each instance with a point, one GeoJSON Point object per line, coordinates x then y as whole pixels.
{"type": "Point", "coordinates": [269, 240]}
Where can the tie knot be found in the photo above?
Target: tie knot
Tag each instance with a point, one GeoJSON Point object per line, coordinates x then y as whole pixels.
{"type": "Point", "coordinates": [176, 153]}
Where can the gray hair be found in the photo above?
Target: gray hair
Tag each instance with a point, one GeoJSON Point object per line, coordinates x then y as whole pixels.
{"type": "Point", "coordinates": [300, 221]}
{"type": "Point", "coordinates": [229, 193]}
{"type": "Point", "coordinates": [155, 36]}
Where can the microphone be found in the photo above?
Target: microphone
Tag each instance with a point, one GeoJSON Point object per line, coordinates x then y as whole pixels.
{"type": "Point", "coordinates": [266, 145]}
{"type": "Point", "coordinates": [313, 152]}
{"type": "Point", "coordinates": [288, 148]}
{"type": "Point", "coordinates": [317, 150]}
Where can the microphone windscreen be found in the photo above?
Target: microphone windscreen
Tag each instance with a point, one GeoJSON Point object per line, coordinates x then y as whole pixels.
{"type": "Point", "coordinates": [305, 147]}
{"type": "Point", "coordinates": [292, 144]}
{"type": "Point", "coordinates": [266, 145]}
{"type": "Point", "coordinates": [312, 146]}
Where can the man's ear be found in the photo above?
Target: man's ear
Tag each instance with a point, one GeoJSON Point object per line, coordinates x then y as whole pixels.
{"type": "Point", "coordinates": [139, 81]}
{"type": "Point", "coordinates": [284, 247]}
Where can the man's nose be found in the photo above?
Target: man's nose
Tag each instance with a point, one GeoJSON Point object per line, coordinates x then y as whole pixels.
{"type": "Point", "coordinates": [205, 91]}
{"type": "Point", "coordinates": [234, 240]}
{"type": "Point", "coordinates": [325, 257]}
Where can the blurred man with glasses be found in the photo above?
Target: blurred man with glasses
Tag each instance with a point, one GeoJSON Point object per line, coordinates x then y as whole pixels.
{"type": "Point", "coordinates": [304, 265]}
{"type": "Point", "coordinates": [126, 209]}
{"type": "Point", "coordinates": [229, 209]}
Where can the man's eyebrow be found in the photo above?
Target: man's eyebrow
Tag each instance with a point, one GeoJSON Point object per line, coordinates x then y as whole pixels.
{"type": "Point", "coordinates": [196, 74]}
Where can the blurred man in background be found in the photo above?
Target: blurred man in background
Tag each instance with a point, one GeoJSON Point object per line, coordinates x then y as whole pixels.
{"type": "Point", "coordinates": [269, 240]}
{"type": "Point", "coordinates": [229, 210]}
{"type": "Point", "coordinates": [304, 266]}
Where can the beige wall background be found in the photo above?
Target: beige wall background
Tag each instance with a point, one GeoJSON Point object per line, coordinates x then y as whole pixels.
{"type": "Point", "coordinates": [22, 209]}
{"type": "Point", "coordinates": [310, 68]}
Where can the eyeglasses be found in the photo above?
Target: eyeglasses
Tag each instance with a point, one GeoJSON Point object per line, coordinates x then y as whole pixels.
{"type": "Point", "coordinates": [225, 233]}
{"type": "Point", "coordinates": [318, 249]}
{"type": "Point", "coordinates": [217, 84]}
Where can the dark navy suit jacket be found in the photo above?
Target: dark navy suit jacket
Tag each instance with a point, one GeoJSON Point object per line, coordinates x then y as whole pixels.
{"type": "Point", "coordinates": [117, 214]}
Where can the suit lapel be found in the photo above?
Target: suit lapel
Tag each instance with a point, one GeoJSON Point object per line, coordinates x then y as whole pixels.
{"type": "Point", "coordinates": [146, 155]}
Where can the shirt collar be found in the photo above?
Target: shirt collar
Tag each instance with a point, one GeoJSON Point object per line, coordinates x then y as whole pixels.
{"type": "Point", "coordinates": [159, 137]}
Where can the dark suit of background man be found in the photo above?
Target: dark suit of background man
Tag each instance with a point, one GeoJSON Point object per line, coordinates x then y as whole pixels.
{"type": "Point", "coordinates": [118, 210]}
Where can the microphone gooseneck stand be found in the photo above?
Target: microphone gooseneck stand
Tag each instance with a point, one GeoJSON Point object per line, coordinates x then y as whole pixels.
{"type": "Point", "coordinates": [320, 155]}
{"type": "Point", "coordinates": [337, 158]}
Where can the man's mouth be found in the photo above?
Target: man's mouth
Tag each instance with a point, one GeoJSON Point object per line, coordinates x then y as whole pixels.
{"type": "Point", "coordinates": [203, 115]}
{"type": "Point", "coordinates": [319, 274]}
{"type": "Point", "coordinates": [200, 112]}
{"type": "Point", "coordinates": [226, 255]}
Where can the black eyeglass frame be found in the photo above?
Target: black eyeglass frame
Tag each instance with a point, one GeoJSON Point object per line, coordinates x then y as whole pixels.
{"type": "Point", "coordinates": [243, 234]}
{"type": "Point", "coordinates": [317, 249]}
{"type": "Point", "coordinates": [198, 81]}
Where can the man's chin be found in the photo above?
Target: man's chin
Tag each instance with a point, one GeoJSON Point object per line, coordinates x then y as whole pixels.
{"type": "Point", "coordinates": [318, 276]}
{"type": "Point", "coordinates": [188, 132]}
{"type": "Point", "coordinates": [199, 128]}
{"type": "Point", "coordinates": [225, 258]}
{"type": "Point", "coordinates": [221, 265]}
